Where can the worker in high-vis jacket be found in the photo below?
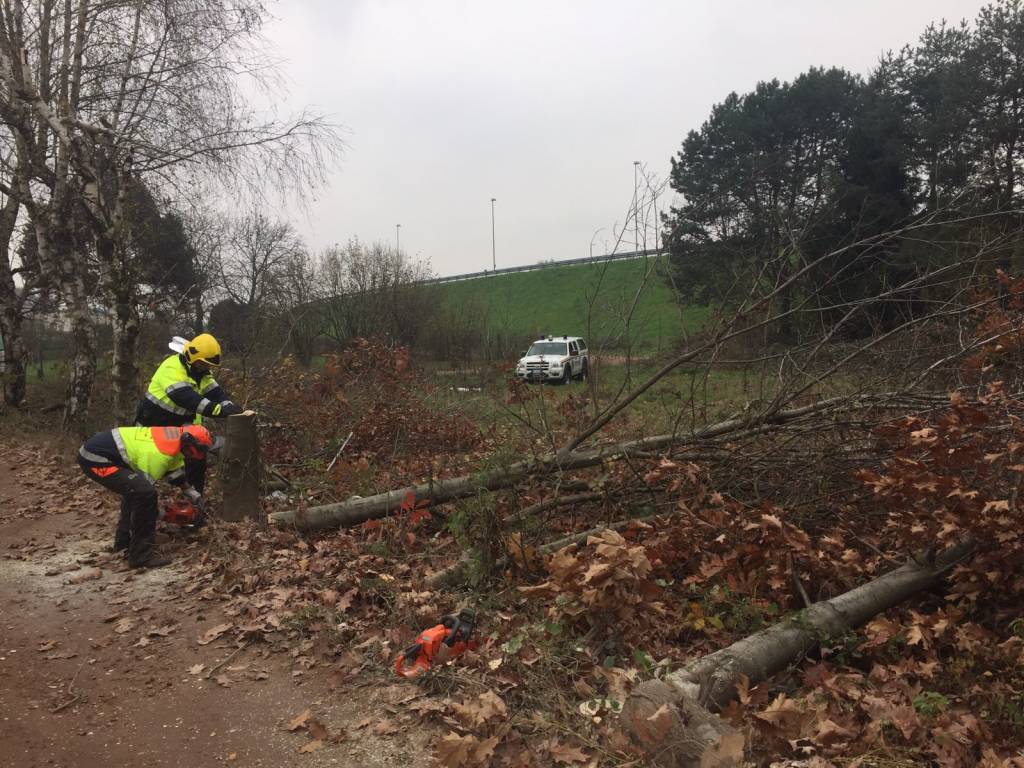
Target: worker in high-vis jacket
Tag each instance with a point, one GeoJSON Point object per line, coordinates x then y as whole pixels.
{"type": "Point", "coordinates": [183, 391]}
{"type": "Point", "coordinates": [130, 461]}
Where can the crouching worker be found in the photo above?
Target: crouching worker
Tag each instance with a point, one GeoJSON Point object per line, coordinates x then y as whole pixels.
{"type": "Point", "coordinates": [129, 461]}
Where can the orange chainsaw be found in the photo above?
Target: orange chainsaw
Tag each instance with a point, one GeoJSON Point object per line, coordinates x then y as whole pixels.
{"type": "Point", "coordinates": [453, 632]}
{"type": "Point", "coordinates": [184, 512]}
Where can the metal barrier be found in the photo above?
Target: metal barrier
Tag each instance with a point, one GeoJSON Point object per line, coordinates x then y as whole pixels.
{"type": "Point", "coordinates": [545, 265]}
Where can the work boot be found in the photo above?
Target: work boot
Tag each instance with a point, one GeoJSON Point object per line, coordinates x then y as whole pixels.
{"type": "Point", "coordinates": [152, 559]}
{"type": "Point", "coordinates": [142, 511]}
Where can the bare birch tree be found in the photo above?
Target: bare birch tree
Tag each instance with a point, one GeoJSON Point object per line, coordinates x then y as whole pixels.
{"type": "Point", "coordinates": [12, 303]}
{"type": "Point", "coordinates": [102, 95]}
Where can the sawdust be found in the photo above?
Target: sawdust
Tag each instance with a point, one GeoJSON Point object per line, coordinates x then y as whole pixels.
{"type": "Point", "coordinates": [76, 692]}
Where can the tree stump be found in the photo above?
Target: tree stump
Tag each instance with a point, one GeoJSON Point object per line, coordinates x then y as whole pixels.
{"type": "Point", "coordinates": [677, 732]}
{"type": "Point", "coordinates": [240, 471]}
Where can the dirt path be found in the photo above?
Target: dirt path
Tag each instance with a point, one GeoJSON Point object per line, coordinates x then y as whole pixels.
{"type": "Point", "coordinates": [100, 666]}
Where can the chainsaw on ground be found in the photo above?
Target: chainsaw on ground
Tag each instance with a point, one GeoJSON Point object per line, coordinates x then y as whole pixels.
{"type": "Point", "coordinates": [454, 633]}
{"type": "Point", "coordinates": [184, 512]}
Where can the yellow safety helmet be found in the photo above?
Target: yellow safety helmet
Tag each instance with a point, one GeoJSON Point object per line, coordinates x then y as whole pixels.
{"type": "Point", "coordinates": [202, 349]}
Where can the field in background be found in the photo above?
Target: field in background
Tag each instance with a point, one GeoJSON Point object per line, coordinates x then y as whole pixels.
{"type": "Point", "coordinates": [561, 300]}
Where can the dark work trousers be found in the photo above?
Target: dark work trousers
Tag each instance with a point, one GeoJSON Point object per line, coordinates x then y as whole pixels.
{"type": "Point", "coordinates": [136, 527]}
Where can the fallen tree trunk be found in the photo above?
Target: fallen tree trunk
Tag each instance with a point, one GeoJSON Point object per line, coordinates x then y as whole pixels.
{"type": "Point", "coordinates": [672, 718]}
{"type": "Point", "coordinates": [356, 511]}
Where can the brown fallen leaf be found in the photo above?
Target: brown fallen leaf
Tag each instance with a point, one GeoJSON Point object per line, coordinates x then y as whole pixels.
{"type": "Point", "coordinates": [453, 751]}
{"type": "Point", "coordinates": [163, 631]}
{"type": "Point", "coordinates": [426, 706]}
{"type": "Point", "coordinates": [829, 732]}
{"type": "Point", "coordinates": [299, 720]}
{"type": "Point", "coordinates": [363, 723]}
{"type": "Point", "coordinates": [312, 746]}
{"type": "Point", "coordinates": [196, 669]}
{"type": "Point", "coordinates": [483, 751]}
{"type": "Point", "coordinates": [223, 680]}
{"type": "Point", "coordinates": [728, 751]}
{"type": "Point", "coordinates": [261, 674]}
{"type": "Point", "coordinates": [317, 729]}
{"type": "Point", "coordinates": [212, 634]}
{"type": "Point", "coordinates": [563, 753]}
{"type": "Point", "coordinates": [487, 706]}
{"type": "Point", "coordinates": [48, 645]}
{"type": "Point", "coordinates": [787, 715]}
{"type": "Point", "coordinates": [90, 575]}
{"type": "Point", "coordinates": [124, 625]}
{"type": "Point", "coordinates": [386, 727]}
{"type": "Point", "coordinates": [60, 655]}
{"type": "Point", "coordinates": [345, 601]}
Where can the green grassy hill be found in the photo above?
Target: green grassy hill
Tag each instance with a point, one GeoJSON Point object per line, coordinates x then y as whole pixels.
{"type": "Point", "coordinates": [589, 300]}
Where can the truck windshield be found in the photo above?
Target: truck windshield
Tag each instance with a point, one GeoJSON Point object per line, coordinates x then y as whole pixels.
{"type": "Point", "coordinates": [549, 348]}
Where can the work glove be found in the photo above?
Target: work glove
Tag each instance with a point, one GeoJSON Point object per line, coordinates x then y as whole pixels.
{"type": "Point", "coordinates": [197, 502]}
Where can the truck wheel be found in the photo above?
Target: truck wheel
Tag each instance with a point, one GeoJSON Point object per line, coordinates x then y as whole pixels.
{"type": "Point", "coordinates": [566, 374]}
{"type": "Point", "coordinates": [583, 372]}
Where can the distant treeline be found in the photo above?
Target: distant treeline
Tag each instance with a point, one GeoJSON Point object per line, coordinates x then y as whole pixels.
{"type": "Point", "coordinates": [931, 139]}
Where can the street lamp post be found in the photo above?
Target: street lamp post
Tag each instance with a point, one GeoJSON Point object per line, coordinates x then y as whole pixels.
{"type": "Point", "coordinates": [494, 259]}
{"type": "Point", "coordinates": [398, 237]}
{"type": "Point", "coordinates": [636, 207]}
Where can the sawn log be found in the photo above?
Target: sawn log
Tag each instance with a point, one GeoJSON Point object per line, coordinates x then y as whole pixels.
{"type": "Point", "coordinates": [672, 718]}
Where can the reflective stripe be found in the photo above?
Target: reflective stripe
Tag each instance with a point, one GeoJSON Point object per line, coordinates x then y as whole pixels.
{"type": "Point", "coordinates": [213, 383]}
{"type": "Point", "coordinates": [95, 458]}
{"type": "Point", "coordinates": [170, 407]}
{"type": "Point", "coordinates": [205, 407]}
{"type": "Point", "coordinates": [170, 376]}
{"type": "Point", "coordinates": [175, 475]}
{"type": "Point", "coordinates": [121, 449]}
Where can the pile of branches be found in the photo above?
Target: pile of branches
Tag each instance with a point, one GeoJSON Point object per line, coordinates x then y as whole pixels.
{"type": "Point", "coordinates": [369, 391]}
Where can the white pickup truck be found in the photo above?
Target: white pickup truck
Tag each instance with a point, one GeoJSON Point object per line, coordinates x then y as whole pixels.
{"type": "Point", "coordinates": [555, 358]}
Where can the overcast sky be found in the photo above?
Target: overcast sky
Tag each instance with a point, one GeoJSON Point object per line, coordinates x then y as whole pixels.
{"type": "Point", "coordinates": [542, 105]}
